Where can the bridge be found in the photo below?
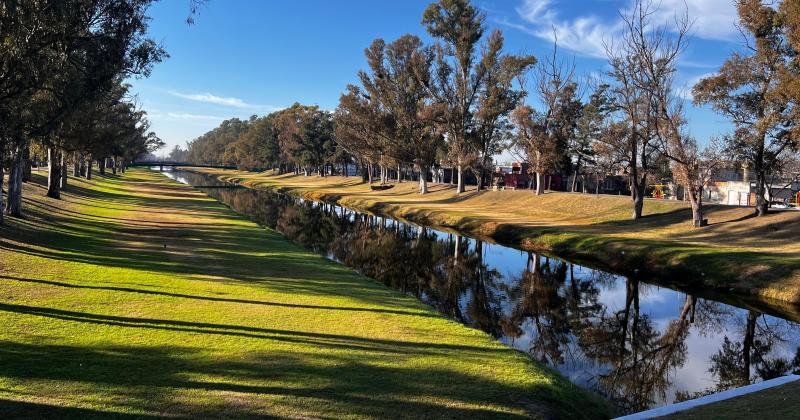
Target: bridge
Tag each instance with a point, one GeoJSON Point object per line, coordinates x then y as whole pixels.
{"type": "Point", "coordinates": [162, 163]}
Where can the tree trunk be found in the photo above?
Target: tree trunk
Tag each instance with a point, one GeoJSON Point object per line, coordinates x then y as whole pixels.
{"type": "Point", "coordinates": [638, 205]}
{"type": "Point", "coordinates": [460, 186]}
{"type": "Point", "coordinates": [481, 174]}
{"type": "Point", "coordinates": [15, 185]}
{"type": "Point", "coordinates": [762, 205]}
{"type": "Point", "coordinates": [423, 181]}
{"type": "Point", "coordinates": [637, 193]}
{"type": "Point", "coordinates": [26, 164]}
{"type": "Point", "coordinates": [76, 165]}
{"type": "Point", "coordinates": [369, 173]}
{"type": "Point", "coordinates": [54, 174]}
{"type": "Point", "coordinates": [114, 165]}
{"type": "Point", "coordinates": [697, 212]}
{"type": "Point", "coordinates": [63, 170]}
{"type": "Point", "coordinates": [539, 183]}
{"type": "Point", "coordinates": [575, 176]}
{"type": "Point", "coordinates": [2, 202]}
{"type": "Point", "coordinates": [597, 185]}
{"type": "Point", "coordinates": [101, 165]}
{"type": "Point", "coordinates": [399, 174]}
{"type": "Point", "coordinates": [89, 163]}
{"type": "Point", "coordinates": [82, 166]}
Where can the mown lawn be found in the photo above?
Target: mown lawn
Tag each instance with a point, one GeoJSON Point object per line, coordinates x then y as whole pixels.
{"type": "Point", "coordinates": [736, 252]}
{"type": "Point", "coordinates": [135, 296]}
{"type": "Point", "coordinates": [777, 403]}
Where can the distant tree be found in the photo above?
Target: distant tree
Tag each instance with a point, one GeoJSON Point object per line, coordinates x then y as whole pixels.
{"type": "Point", "coordinates": [584, 145]}
{"type": "Point", "coordinates": [396, 81]}
{"type": "Point", "coordinates": [543, 136]}
{"type": "Point", "coordinates": [458, 75]}
{"type": "Point", "coordinates": [758, 90]}
{"type": "Point", "coordinates": [497, 98]}
{"type": "Point", "coordinates": [362, 127]}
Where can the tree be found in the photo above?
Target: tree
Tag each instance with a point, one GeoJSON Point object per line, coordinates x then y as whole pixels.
{"type": "Point", "coordinates": [60, 54]}
{"type": "Point", "coordinates": [456, 78]}
{"type": "Point", "coordinates": [758, 90]}
{"type": "Point", "coordinates": [543, 137]}
{"type": "Point", "coordinates": [585, 144]}
{"type": "Point", "coordinates": [396, 82]}
{"type": "Point", "coordinates": [362, 128]}
{"type": "Point", "coordinates": [651, 53]}
{"type": "Point", "coordinates": [497, 99]}
{"type": "Point", "coordinates": [634, 105]}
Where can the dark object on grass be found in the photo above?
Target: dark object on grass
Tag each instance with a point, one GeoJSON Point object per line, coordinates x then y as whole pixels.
{"type": "Point", "coordinates": [380, 187]}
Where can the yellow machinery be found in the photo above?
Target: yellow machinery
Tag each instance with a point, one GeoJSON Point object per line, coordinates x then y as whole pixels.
{"type": "Point", "coordinates": [658, 190]}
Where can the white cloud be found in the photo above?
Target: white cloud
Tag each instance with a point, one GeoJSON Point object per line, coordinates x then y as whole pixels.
{"type": "Point", "coordinates": [182, 116]}
{"type": "Point", "coordinates": [188, 116]}
{"type": "Point", "coordinates": [214, 99]}
{"type": "Point", "coordinates": [588, 34]}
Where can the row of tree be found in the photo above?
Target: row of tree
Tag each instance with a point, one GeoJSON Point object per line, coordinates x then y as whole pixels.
{"type": "Point", "coordinates": [299, 138]}
{"type": "Point", "coordinates": [62, 96]}
{"type": "Point", "coordinates": [461, 101]}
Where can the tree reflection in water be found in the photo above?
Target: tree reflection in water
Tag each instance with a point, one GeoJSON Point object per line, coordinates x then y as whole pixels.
{"type": "Point", "coordinates": [629, 340]}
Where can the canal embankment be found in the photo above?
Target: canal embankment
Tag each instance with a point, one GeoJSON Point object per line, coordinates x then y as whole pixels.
{"type": "Point", "coordinates": [736, 253]}
{"type": "Point", "coordinates": [138, 296]}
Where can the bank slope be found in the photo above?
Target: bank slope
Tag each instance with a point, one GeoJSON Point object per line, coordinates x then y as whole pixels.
{"type": "Point", "coordinates": [137, 296]}
{"type": "Point", "coordinates": [736, 253]}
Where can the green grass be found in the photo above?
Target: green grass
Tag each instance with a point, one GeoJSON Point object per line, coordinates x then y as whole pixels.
{"type": "Point", "coordinates": [750, 256]}
{"type": "Point", "coordinates": [136, 296]}
{"type": "Point", "coordinates": [776, 403]}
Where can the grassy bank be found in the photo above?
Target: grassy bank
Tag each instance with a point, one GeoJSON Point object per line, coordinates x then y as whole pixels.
{"type": "Point", "coordinates": [136, 296]}
{"type": "Point", "coordinates": [779, 402]}
{"type": "Point", "coordinates": [736, 253]}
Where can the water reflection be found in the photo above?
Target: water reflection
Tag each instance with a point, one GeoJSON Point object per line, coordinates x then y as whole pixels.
{"type": "Point", "coordinates": [638, 344]}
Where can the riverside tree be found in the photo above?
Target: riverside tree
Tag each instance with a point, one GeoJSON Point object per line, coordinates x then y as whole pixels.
{"type": "Point", "coordinates": [396, 81]}
{"type": "Point", "coordinates": [543, 137]}
{"type": "Point", "coordinates": [55, 56]}
{"type": "Point", "coordinates": [758, 90]}
{"type": "Point", "coordinates": [457, 77]}
{"type": "Point", "coordinates": [634, 105]}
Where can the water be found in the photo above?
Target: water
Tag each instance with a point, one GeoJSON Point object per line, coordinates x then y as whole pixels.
{"type": "Point", "coordinates": [638, 344]}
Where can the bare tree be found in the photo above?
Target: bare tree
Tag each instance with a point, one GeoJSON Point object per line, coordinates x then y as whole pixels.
{"type": "Point", "coordinates": [636, 104]}
{"type": "Point", "coordinates": [543, 137]}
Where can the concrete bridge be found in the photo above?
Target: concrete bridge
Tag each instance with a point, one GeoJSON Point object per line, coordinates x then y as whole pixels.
{"type": "Point", "coordinates": [162, 164]}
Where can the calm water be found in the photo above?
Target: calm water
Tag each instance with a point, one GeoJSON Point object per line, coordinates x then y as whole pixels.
{"type": "Point", "coordinates": [639, 344]}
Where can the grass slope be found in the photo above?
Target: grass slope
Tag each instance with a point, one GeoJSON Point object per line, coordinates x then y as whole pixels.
{"type": "Point", "coordinates": [737, 252]}
{"type": "Point", "coordinates": [139, 297]}
{"type": "Point", "coordinates": [777, 403]}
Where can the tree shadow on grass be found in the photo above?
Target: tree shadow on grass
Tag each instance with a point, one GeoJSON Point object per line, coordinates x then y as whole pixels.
{"type": "Point", "coordinates": [184, 382]}
{"type": "Point", "coordinates": [216, 299]}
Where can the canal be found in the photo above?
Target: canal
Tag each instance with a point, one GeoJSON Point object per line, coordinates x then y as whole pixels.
{"type": "Point", "coordinates": [638, 344]}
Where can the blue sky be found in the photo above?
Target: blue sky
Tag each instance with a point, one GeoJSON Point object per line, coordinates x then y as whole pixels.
{"type": "Point", "coordinates": [245, 57]}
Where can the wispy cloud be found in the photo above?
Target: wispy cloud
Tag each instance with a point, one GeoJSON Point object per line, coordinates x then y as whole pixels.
{"type": "Point", "coordinates": [214, 99]}
{"type": "Point", "coordinates": [183, 116]}
{"type": "Point", "coordinates": [588, 34]}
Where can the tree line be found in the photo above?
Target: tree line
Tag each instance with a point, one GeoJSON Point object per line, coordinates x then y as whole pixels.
{"type": "Point", "coordinates": [63, 99]}
{"type": "Point", "coordinates": [462, 100]}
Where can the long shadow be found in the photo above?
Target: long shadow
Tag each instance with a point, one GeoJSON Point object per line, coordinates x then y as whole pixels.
{"type": "Point", "coordinates": [317, 339]}
{"type": "Point", "coordinates": [150, 380]}
{"type": "Point", "coordinates": [216, 299]}
{"type": "Point", "coordinates": [24, 410]}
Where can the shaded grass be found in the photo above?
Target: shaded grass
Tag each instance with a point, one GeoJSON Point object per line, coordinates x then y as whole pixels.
{"type": "Point", "coordinates": [736, 253]}
{"type": "Point", "coordinates": [136, 296]}
{"type": "Point", "coordinates": [779, 402]}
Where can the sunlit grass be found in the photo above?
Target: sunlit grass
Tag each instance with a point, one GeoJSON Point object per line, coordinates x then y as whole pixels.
{"type": "Point", "coordinates": [138, 296]}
